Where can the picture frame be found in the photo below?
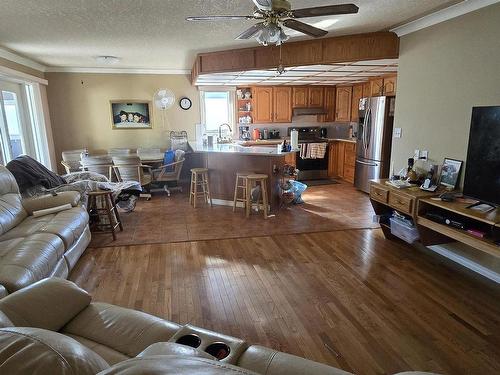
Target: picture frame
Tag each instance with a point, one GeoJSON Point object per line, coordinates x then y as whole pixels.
{"type": "Point", "coordinates": [131, 114]}
{"type": "Point", "coordinates": [450, 173]}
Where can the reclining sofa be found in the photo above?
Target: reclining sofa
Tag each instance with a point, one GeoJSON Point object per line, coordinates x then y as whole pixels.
{"type": "Point", "coordinates": [52, 327]}
{"type": "Point", "coordinates": [33, 248]}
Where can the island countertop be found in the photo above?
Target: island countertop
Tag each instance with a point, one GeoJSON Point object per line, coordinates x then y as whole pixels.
{"type": "Point", "coordinates": [232, 148]}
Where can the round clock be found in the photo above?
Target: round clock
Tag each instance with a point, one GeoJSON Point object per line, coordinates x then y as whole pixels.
{"type": "Point", "coordinates": [185, 103]}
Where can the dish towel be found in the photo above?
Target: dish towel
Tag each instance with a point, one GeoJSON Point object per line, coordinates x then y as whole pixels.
{"type": "Point", "coordinates": [317, 150]}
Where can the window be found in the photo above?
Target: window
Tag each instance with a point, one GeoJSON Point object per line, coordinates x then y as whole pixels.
{"type": "Point", "coordinates": [20, 132]}
{"type": "Point", "coordinates": [217, 108]}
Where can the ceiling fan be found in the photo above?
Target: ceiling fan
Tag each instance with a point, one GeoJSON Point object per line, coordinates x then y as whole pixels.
{"type": "Point", "coordinates": [274, 14]}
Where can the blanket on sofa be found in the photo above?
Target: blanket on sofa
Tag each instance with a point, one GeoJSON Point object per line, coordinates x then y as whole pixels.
{"type": "Point", "coordinates": [28, 172]}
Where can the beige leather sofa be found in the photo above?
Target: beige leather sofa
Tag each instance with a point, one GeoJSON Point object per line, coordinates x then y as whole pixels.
{"type": "Point", "coordinates": [33, 248]}
{"type": "Point", "coordinates": [52, 326]}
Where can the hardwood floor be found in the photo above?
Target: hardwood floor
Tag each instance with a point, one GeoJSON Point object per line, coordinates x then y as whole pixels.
{"type": "Point", "coordinates": [347, 298]}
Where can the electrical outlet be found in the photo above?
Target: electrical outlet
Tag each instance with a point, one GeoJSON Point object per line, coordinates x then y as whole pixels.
{"type": "Point", "coordinates": [397, 132]}
{"type": "Point", "coordinates": [424, 155]}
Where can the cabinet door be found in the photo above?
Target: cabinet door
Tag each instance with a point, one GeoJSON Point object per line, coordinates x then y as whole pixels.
{"type": "Point", "coordinates": [332, 159]}
{"type": "Point", "coordinates": [316, 96]}
{"type": "Point", "coordinates": [300, 97]}
{"type": "Point", "coordinates": [282, 106]}
{"type": "Point", "coordinates": [329, 104]}
{"type": "Point", "coordinates": [263, 109]}
{"type": "Point", "coordinates": [340, 158]}
{"type": "Point", "coordinates": [343, 104]}
{"type": "Point", "coordinates": [377, 87]}
{"type": "Point", "coordinates": [390, 84]}
{"type": "Point", "coordinates": [367, 89]}
{"type": "Point", "coordinates": [357, 94]}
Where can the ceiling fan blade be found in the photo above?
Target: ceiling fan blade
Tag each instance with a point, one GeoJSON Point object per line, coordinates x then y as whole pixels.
{"type": "Point", "coordinates": [217, 18]}
{"type": "Point", "coordinates": [251, 31]}
{"type": "Point", "coordinates": [264, 4]}
{"type": "Point", "coordinates": [329, 10]}
{"type": "Point", "coordinates": [304, 28]}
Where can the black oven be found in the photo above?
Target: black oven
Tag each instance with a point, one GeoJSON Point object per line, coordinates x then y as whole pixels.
{"type": "Point", "coordinates": [311, 169]}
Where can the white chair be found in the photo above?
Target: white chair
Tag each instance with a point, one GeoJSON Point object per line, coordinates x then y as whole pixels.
{"type": "Point", "coordinates": [130, 168]}
{"type": "Point", "coordinates": [102, 164]}
{"type": "Point", "coordinates": [71, 160]}
{"type": "Point", "coordinates": [119, 151]}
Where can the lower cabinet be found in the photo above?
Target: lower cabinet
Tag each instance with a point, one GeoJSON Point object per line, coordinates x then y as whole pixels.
{"type": "Point", "coordinates": [342, 160]}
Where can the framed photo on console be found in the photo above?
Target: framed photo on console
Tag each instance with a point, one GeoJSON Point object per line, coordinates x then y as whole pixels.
{"type": "Point", "coordinates": [131, 114]}
{"type": "Point", "coordinates": [450, 173]}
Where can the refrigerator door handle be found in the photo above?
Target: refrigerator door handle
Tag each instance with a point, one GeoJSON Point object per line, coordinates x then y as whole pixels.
{"type": "Point", "coordinates": [366, 137]}
{"type": "Point", "coordinates": [365, 163]}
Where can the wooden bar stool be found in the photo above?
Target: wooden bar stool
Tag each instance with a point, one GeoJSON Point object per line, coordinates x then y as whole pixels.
{"type": "Point", "coordinates": [240, 184]}
{"type": "Point", "coordinates": [252, 180]}
{"type": "Point", "coordinates": [106, 212]}
{"type": "Point", "coordinates": [199, 177]}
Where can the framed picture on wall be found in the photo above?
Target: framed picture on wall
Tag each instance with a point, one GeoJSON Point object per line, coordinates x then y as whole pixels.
{"type": "Point", "coordinates": [131, 114]}
{"type": "Point", "coordinates": [450, 173]}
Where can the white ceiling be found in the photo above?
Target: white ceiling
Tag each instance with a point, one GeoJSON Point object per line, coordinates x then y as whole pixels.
{"type": "Point", "coordinates": [334, 74]}
{"type": "Point", "coordinates": [153, 34]}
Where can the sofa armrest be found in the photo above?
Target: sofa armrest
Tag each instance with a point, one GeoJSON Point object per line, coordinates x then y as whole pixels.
{"type": "Point", "coordinates": [48, 304]}
{"type": "Point", "coordinates": [49, 201]}
{"type": "Point", "coordinates": [3, 291]}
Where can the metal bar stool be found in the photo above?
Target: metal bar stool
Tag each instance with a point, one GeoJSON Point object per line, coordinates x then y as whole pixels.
{"type": "Point", "coordinates": [199, 177]}
{"type": "Point", "coordinates": [252, 180]}
{"type": "Point", "coordinates": [107, 216]}
{"type": "Point", "coordinates": [240, 184]}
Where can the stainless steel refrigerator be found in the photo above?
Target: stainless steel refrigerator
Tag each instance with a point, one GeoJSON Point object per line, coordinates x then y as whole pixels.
{"type": "Point", "coordinates": [374, 138]}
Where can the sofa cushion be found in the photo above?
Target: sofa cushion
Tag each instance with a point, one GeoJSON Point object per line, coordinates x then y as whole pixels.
{"type": "Point", "coordinates": [108, 354]}
{"type": "Point", "coordinates": [11, 208]}
{"type": "Point", "coordinates": [126, 331]}
{"type": "Point", "coordinates": [26, 260]}
{"type": "Point", "coordinates": [47, 304]}
{"type": "Point", "coordinates": [37, 351]}
{"type": "Point", "coordinates": [171, 348]}
{"type": "Point", "coordinates": [68, 225]}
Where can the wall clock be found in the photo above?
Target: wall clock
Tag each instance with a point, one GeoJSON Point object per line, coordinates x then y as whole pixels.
{"type": "Point", "coordinates": [185, 103]}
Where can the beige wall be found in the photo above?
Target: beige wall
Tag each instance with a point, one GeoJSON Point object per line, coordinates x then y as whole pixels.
{"type": "Point", "coordinates": [81, 115]}
{"type": "Point", "coordinates": [444, 71]}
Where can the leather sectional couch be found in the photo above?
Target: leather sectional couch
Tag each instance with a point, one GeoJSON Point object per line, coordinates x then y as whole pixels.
{"type": "Point", "coordinates": [33, 248]}
{"type": "Point", "coordinates": [53, 327]}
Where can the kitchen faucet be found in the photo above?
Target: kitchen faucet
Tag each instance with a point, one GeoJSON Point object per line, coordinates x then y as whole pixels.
{"type": "Point", "coordinates": [224, 140]}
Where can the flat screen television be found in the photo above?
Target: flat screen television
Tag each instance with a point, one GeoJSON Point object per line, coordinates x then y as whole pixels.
{"type": "Point", "coordinates": [482, 169]}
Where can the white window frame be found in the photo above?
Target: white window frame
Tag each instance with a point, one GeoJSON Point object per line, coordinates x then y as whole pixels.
{"type": "Point", "coordinates": [231, 106]}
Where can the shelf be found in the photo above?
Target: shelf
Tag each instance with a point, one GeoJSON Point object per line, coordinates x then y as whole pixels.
{"type": "Point", "coordinates": [482, 244]}
{"type": "Point", "coordinates": [490, 218]}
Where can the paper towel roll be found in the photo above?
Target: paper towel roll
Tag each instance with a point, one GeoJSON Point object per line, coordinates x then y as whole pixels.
{"type": "Point", "coordinates": [294, 140]}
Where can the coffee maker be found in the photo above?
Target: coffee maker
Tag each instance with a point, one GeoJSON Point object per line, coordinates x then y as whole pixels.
{"type": "Point", "coordinates": [244, 133]}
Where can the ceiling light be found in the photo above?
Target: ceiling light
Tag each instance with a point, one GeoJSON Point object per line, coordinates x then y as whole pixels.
{"type": "Point", "coordinates": [272, 33]}
{"type": "Point", "coordinates": [107, 59]}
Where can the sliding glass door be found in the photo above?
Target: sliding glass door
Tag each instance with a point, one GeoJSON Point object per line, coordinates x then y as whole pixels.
{"type": "Point", "coordinates": [16, 135]}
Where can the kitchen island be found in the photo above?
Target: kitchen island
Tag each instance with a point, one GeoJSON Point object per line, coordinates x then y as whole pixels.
{"type": "Point", "coordinates": [225, 160]}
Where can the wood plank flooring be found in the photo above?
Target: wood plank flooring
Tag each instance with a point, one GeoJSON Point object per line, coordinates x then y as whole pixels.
{"type": "Point", "coordinates": [347, 298]}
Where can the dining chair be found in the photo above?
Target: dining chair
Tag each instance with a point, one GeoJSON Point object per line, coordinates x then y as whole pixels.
{"type": "Point", "coordinates": [71, 160]}
{"type": "Point", "coordinates": [170, 172]}
{"type": "Point", "coordinates": [119, 151]}
{"type": "Point", "coordinates": [130, 168]}
{"type": "Point", "coordinates": [102, 164]}
{"type": "Point", "coordinates": [144, 152]}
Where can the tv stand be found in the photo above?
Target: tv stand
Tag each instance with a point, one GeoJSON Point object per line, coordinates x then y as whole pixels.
{"type": "Point", "coordinates": [493, 207]}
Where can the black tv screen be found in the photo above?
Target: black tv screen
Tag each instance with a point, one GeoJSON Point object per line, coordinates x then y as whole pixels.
{"type": "Point", "coordinates": [482, 170]}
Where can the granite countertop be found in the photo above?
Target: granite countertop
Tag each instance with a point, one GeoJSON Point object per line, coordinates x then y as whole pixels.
{"type": "Point", "coordinates": [341, 140]}
{"type": "Point", "coordinates": [233, 148]}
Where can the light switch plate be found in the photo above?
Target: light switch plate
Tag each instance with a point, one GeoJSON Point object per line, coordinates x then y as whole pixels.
{"type": "Point", "coordinates": [424, 155]}
{"type": "Point", "coordinates": [397, 132]}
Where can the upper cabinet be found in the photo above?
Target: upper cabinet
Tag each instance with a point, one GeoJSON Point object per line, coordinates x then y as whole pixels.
{"type": "Point", "coordinates": [316, 96]}
{"type": "Point", "coordinates": [357, 94]}
{"type": "Point", "coordinates": [308, 97]}
{"type": "Point", "coordinates": [300, 97]}
{"type": "Point", "coordinates": [343, 104]}
{"type": "Point", "coordinates": [377, 87]}
{"type": "Point", "coordinates": [390, 84]}
{"type": "Point", "coordinates": [330, 94]}
{"type": "Point", "coordinates": [263, 104]}
{"type": "Point", "coordinates": [282, 104]}
{"type": "Point", "coordinates": [367, 89]}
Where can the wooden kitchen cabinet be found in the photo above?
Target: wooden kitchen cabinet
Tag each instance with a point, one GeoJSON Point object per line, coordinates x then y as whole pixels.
{"type": "Point", "coordinates": [330, 94]}
{"type": "Point", "coordinates": [316, 96]}
{"type": "Point", "coordinates": [263, 104]}
{"type": "Point", "coordinates": [282, 104]}
{"type": "Point", "coordinates": [349, 161]}
{"type": "Point", "coordinates": [367, 89]}
{"type": "Point", "coordinates": [377, 87]}
{"type": "Point", "coordinates": [342, 160]}
{"type": "Point", "coordinates": [300, 97]}
{"type": "Point", "coordinates": [343, 103]}
{"type": "Point", "coordinates": [390, 84]}
{"type": "Point", "coordinates": [357, 94]}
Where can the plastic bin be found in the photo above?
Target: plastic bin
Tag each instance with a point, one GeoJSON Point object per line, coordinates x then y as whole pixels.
{"type": "Point", "coordinates": [406, 232]}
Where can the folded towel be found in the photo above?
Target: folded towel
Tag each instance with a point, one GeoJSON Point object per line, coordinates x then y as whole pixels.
{"type": "Point", "coordinates": [52, 210]}
{"type": "Point", "coordinates": [317, 150]}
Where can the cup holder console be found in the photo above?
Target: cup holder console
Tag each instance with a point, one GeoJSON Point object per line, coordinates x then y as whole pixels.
{"type": "Point", "coordinates": [218, 349]}
{"type": "Point", "coordinates": [191, 340]}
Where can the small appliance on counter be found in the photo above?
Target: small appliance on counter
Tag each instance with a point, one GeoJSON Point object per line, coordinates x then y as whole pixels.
{"type": "Point", "coordinates": [256, 134]}
{"type": "Point", "coordinates": [274, 134]}
{"type": "Point", "coordinates": [244, 133]}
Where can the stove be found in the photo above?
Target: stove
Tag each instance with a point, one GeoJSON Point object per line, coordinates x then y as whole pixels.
{"type": "Point", "coordinates": [311, 169]}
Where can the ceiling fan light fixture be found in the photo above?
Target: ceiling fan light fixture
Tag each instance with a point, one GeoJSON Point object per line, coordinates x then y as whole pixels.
{"type": "Point", "coordinates": [272, 33]}
{"type": "Point", "coordinates": [109, 60]}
